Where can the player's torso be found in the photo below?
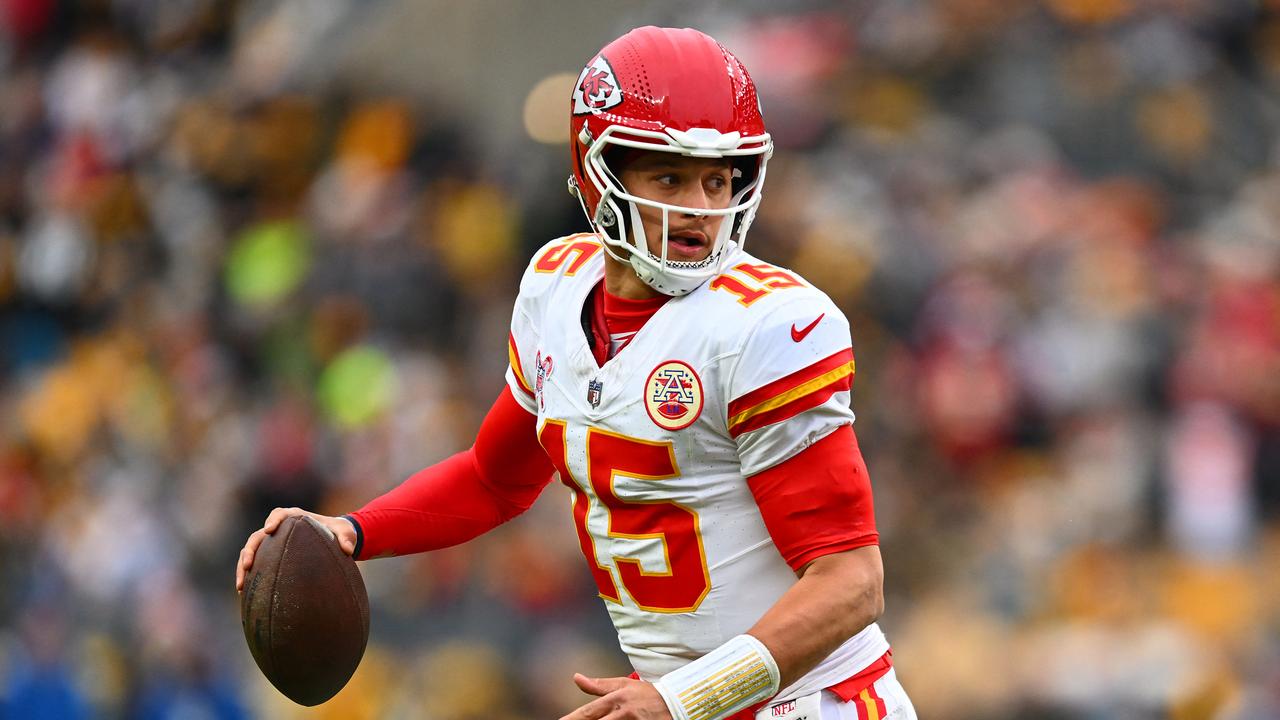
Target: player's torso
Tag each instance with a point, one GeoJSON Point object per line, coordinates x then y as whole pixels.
{"type": "Point", "coordinates": [668, 524]}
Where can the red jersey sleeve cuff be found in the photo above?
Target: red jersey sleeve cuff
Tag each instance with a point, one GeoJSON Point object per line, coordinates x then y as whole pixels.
{"type": "Point", "coordinates": [801, 558]}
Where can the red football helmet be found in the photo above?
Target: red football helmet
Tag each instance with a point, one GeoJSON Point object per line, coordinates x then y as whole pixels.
{"type": "Point", "coordinates": [672, 90]}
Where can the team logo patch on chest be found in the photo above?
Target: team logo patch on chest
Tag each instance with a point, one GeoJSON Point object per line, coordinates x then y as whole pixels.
{"type": "Point", "coordinates": [673, 395]}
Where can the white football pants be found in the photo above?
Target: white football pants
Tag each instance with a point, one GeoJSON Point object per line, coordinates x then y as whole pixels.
{"type": "Point", "coordinates": [884, 700]}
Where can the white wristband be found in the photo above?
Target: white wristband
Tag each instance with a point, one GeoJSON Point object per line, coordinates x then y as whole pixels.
{"type": "Point", "coordinates": [732, 677]}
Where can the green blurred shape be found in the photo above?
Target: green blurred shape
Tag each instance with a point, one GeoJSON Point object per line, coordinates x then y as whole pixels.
{"type": "Point", "coordinates": [267, 262]}
{"type": "Point", "coordinates": [357, 386]}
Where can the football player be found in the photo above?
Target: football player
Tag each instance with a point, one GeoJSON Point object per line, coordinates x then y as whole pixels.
{"type": "Point", "coordinates": [694, 400]}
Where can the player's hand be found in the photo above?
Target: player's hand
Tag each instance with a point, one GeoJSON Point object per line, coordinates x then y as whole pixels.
{"type": "Point", "coordinates": [619, 698]}
{"type": "Point", "coordinates": [343, 531]}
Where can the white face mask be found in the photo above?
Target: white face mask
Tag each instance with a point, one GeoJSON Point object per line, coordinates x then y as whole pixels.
{"type": "Point", "coordinates": [617, 218]}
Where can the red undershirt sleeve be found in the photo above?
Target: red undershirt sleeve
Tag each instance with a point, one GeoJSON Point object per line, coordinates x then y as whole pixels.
{"type": "Point", "coordinates": [463, 496]}
{"type": "Point", "coordinates": [819, 501]}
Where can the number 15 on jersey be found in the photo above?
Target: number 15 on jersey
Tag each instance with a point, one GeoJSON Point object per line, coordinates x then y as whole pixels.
{"type": "Point", "coordinates": [685, 581]}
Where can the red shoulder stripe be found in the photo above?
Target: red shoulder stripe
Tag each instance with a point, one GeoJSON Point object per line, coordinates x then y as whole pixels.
{"type": "Point", "coordinates": [788, 396]}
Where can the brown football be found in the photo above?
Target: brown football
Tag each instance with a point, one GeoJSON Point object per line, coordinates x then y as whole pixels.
{"type": "Point", "coordinates": [305, 612]}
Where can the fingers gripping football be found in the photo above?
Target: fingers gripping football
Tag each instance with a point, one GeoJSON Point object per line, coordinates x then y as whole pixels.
{"type": "Point", "coordinates": [304, 608]}
{"type": "Point", "coordinates": [339, 528]}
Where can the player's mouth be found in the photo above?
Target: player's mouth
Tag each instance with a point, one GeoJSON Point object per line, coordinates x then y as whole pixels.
{"type": "Point", "coordinates": [687, 245]}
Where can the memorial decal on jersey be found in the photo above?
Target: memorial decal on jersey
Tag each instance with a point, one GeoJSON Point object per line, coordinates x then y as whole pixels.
{"type": "Point", "coordinates": [597, 89]}
{"type": "Point", "coordinates": [673, 395]}
{"type": "Point", "coordinates": [544, 365]}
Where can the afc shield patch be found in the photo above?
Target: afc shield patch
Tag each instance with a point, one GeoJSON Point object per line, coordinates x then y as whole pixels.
{"type": "Point", "coordinates": [597, 89]}
{"type": "Point", "coordinates": [673, 395]}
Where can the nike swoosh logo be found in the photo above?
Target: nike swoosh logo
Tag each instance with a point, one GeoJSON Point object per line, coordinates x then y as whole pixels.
{"type": "Point", "coordinates": [799, 335]}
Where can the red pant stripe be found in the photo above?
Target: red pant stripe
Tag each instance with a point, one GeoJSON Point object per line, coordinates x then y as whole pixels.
{"type": "Point", "coordinates": [879, 701]}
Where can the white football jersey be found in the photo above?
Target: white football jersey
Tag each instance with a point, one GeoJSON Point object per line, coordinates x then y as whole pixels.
{"type": "Point", "coordinates": [656, 445]}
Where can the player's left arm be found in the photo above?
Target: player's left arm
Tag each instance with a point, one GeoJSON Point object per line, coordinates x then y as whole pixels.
{"type": "Point", "coordinates": [791, 419]}
{"type": "Point", "coordinates": [836, 597]}
{"type": "Point", "coordinates": [818, 509]}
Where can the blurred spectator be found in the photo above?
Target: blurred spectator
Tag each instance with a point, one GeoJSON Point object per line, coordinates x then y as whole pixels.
{"type": "Point", "coordinates": [41, 682]}
{"type": "Point", "coordinates": [237, 273]}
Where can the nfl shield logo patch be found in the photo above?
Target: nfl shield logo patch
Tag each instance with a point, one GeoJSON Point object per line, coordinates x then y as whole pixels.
{"type": "Point", "coordinates": [594, 389]}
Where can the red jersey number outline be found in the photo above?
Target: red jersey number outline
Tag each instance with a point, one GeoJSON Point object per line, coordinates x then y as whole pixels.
{"type": "Point", "coordinates": [686, 582]}
{"type": "Point", "coordinates": [582, 247]}
{"type": "Point", "coordinates": [769, 278]}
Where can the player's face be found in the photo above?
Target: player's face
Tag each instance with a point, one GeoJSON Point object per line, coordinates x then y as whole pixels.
{"type": "Point", "coordinates": [685, 181]}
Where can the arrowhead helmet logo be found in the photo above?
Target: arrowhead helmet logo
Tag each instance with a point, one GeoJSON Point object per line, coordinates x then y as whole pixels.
{"type": "Point", "coordinates": [597, 89]}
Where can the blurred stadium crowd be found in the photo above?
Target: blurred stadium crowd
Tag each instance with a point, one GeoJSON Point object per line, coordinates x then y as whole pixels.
{"type": "Point", "coordinates": [1055, 226]}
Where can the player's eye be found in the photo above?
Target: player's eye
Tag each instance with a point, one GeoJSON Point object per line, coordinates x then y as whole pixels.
{"type": "Point", "coordinates": [669, 179]}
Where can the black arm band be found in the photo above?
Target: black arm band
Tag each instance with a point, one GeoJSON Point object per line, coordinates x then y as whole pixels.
{"type": "Point", "coordinates": [355, 554]}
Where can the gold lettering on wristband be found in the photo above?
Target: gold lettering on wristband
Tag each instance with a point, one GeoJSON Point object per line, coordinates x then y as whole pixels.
{"type": "Point", "coordinates": [710, 707]}
{"type": "Point", "coordinates": [725, 689]}
{"type": "Point", "coordinates": [706, 683]}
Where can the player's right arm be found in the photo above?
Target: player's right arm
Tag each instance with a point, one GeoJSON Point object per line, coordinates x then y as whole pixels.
{"type": "Point", "coordinates": [453, 501]}
{"type": "Point", "coordinates": [467, 495]}
{"type": "Point", "coordinates": [476, 490]}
